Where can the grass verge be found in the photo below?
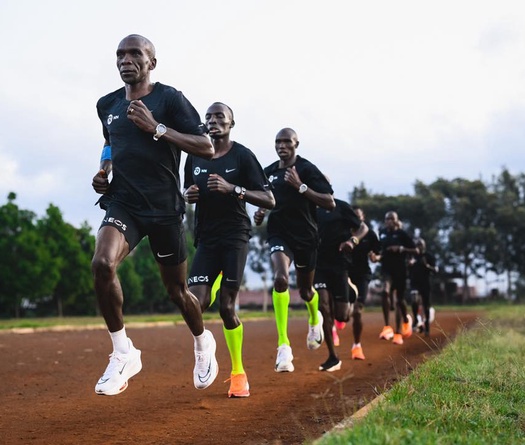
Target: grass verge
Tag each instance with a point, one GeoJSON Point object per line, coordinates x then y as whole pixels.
{"type": "Point", "coordinates": [472, 393]}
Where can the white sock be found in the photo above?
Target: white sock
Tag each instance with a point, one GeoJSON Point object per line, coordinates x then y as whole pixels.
{"type": "Point", "coordinates": [356, 345]}
{"type": "Point", "coordinates": [200, 342]}
{"type": "Point", "coordinates": [120, 341]}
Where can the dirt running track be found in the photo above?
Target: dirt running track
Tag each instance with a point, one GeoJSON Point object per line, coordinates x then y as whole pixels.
{"type": "Point", "coordinates": [47, 386]}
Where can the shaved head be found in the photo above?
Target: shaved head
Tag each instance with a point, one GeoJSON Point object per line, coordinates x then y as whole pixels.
{"type": "Point", "coordinates": [148, 46]}
{"type": "Point", "coordinates": [289, 132]}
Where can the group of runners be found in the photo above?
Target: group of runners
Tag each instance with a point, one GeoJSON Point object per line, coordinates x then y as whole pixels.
{"type": "Point", "coordinates": [146, 126]}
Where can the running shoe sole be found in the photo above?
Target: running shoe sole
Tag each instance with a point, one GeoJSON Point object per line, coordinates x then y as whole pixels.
{"type": "Point", "coordinates": [332, 368]}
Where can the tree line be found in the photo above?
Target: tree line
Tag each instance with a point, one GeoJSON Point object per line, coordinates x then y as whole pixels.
{"type": "Point", "coordinates": [472, 227]}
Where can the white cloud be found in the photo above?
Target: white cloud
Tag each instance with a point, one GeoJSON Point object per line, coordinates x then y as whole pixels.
{"type": "Point", "coordinates": [381, 92]}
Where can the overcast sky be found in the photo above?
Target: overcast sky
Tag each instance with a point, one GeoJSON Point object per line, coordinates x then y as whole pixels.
{"type": "Point", "coordinates": [380, 92]}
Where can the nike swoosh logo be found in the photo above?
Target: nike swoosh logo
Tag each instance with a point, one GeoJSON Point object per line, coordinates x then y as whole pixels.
{"type": "Point", "coordinates": [102, 381]}
{"type": "Point", "coordinates": [206, 376]}
{"type": "Point", "coordinates": [122, 370]}
{"type": "Point", "coordinates": [160, 255]}
{"type": "Point", "coordinates": [228, 170]}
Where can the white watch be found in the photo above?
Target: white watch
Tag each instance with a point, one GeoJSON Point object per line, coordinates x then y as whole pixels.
{"type": "Point", "coordinates": [159, 131]}
{"type": "Point", "coordinates": [303, 188]}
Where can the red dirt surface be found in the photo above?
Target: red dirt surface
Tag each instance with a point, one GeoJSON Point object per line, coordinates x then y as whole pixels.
{"type": "Point", "coordinates": [48, 381]}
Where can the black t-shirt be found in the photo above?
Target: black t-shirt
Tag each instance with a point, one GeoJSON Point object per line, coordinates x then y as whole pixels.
{"type": "Point", "coordinates": [219, 216]}
{"type": "Point", "coordinates": [294, 216]}
{"type": "Point", "coordinates": [146, 172]}
{"type": "Point", "coordinates": [359, 262]}
{"type": "Point", "coordinates": [335, 227]}
{"type": "Point", "coordinates": [394, 261]}
{"type": "Point", "coordinates": [419, 273]}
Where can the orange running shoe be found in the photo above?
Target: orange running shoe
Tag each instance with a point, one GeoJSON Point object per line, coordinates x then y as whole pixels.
{"type": "Point", "coordinates": [387, 333]}
{"type": "Point", "coordinates": [357, 353]}
{"type": "Point", "coordinates": [239, 386]}
{"type": "Point", "coordinates": [335, 336]}
{"type": "Point", "coordinates": [406, 328]}
{"type": "Point", "coordinates": [398, 339]}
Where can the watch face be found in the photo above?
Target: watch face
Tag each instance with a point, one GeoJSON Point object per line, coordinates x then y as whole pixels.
{"type": "Point", "coordinates": [303, 188]}
{"type": "Point", "coordinates": [159, 131]}
{"type": "Point", "coordinates": [238, 189]}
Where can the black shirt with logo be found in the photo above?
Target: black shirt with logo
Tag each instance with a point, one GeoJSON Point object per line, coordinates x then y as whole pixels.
{"type": "Point", "coordinates": [220, 216]}
{"type": "Point", "coordinates": [394, 262]}
{"type": "Point", "coordinates": [146, 172]}
{"type": "Point", "coordinates": [294, 216]}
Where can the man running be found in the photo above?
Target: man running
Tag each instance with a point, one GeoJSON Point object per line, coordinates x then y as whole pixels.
{"type": "Point", "coordinates": [147, 125]}
{"type": "Point", "coordinates": [360, 274]}
{"type": "Point", "coordinates": [395, 245]}
{"type": "Point", "coordinates": [299, 188]}
{"type": "Point", "coordinates": [340, 231]}
{"type": "Point", "coordinates": [220, 187]}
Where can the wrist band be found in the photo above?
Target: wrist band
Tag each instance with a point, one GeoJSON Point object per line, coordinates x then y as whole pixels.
{"type": "Point", "coordinates": [106, 153]}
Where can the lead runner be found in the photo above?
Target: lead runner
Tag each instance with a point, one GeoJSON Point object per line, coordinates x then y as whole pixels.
{"type": "Point", "coordinates": [147, 124]}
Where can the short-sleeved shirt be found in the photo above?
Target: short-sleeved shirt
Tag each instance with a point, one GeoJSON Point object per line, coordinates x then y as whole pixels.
{"type": "Point", "coordinates": [358, 260]}
{"type": "Point", "coordinates": [219, 216]}
{"type": "Point", "coordinates": [394, 262]}
{"type": "Point", "coordinates": [146, 178]}
{"type": "Point", "coordinates": [294, 216]}
{"type": "Point", "coordinates": [419, 273]}
{"type": "Point", "coordinates": [335, 227]}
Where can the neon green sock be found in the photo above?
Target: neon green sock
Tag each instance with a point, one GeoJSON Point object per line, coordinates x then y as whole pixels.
{"type": "Point", "coordinates": [281, 300]}
{"type": "Point", "coordinates": [215, 288]}
{"type": "Point", "coordinates": [234, 338]}
{"type": "Point", "coordinates": [313, 308]}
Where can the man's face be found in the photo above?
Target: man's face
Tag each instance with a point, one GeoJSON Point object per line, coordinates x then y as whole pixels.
{"type": "Point", "coordinates": [285, 144]}
{"type": "Point", "coordinates": [134, 61]}
{"type": "Point", "coordinates": [390, 220]}
{"type": "Point", "coordinates": [218, 120]}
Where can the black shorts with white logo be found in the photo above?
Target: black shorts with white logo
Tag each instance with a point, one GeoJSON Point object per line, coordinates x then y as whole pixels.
{"type": "Point", "coordinates": [303, 258]}
{"type": "Point", "coordinates": [334, 281]}
{"type": "Point", "coordinates": [165, 235]}
{"type": "Point", "coordinates": [210, 260]}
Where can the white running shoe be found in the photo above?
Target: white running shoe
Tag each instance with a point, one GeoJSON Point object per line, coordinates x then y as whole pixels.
{"type": "Point", "coordinates": [432, 315]}
{"type": "Point", "coordinates": [284, 359]}
{"type": "Point", "coordinates": [121, 368]}
{"type": "Point", "coordinates": [420, 324]}
{"type": "Point", "coordinates": [315, 334]}
{"type": "Point", "coordinates": [206, 366]}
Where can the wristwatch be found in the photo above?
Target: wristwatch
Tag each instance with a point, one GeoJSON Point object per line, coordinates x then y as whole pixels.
{"type": "Point", "coordinates": [239, 191]}
{"type": "Point", "coordinates": [354, 240]}
{"type": "Point", "coordinates": [159, 131]}
{"type": "Point", "coordinates": [303, 188]}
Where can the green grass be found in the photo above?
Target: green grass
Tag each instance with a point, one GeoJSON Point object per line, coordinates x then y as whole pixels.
{"type": "Point", "coordinates": [471, 393]}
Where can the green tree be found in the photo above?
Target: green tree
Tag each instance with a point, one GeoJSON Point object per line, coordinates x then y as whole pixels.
{"type": "Point", "coordinates": [70, 260]}
{"type": "Point", "coordinates": [466, 229]}
{"type": "Point", "coordinates": [27, 272]}
{"type": "Point", "coordinates": [131, 283]}
{"type": "Point", "coordinates": [507, 251]}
